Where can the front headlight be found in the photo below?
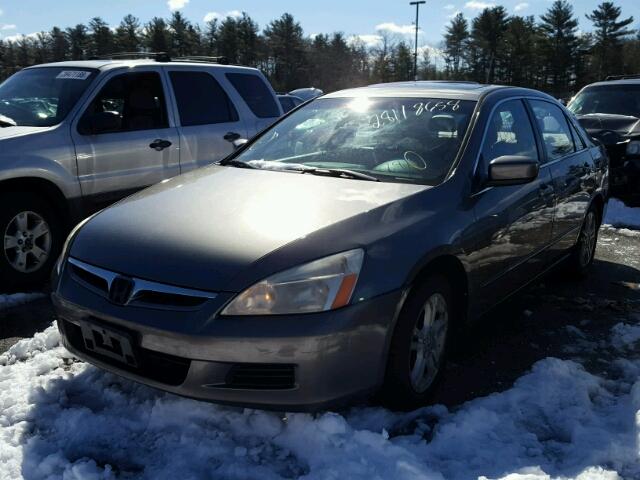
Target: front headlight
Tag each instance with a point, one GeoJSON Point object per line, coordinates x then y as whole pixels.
{"type": "Point", "coordinates": [321, 285]}
{"type": "Point", "coordinates": [633, 148]}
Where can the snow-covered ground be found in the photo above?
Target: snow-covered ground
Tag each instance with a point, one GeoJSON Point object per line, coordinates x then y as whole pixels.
{"type": "Point", "coordinates": [13, 299]}
{"type": "Point", "coordinates": [619, 215]}
{"type": "Point", "coordinates": [65, 419]}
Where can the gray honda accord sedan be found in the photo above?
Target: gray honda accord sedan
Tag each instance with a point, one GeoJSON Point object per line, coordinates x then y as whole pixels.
{"type": "Point", "coordinates": [338, 252]}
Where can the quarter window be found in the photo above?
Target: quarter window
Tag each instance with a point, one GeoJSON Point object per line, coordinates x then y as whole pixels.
{"type": "Point", "coordinates": [509, 133]}
{"type": "Point", "coordinates": [201, 100]}
{"type": "Point", "coordinates": [255, 93]}
{"type": "Point", "coordinates": [135, 100]}
{"type": "Point", "coordinates": [554, 128]}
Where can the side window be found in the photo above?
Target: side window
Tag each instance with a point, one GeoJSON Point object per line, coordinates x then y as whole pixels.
{"type": "Point", "coordinates": [577, 138]}
{"type": "Point", "coordinates": [255, 93]}
{"type": "Point", "coordinates": [509, 133]}
{"type": "Point", "coordinates": [201, 100]}
{"type": "Point", "coordinates": [127, 102]}
{"type": "Point", "coordinates": [556, 134]}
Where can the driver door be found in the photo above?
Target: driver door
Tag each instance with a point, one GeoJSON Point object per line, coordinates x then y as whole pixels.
{"type": "Point", "coordinates": [515, 221]}
{"type": "Point", "coordinates": [139, 150]}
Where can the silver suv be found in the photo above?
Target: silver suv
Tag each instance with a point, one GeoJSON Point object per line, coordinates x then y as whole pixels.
{"type": "Point", "coordinates": [78, 136]}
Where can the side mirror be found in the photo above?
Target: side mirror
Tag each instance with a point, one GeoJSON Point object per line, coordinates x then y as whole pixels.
{"type": "Point", "coordinates": [512, 170]}
{"type": "Point", "coordinates": [101, 122]}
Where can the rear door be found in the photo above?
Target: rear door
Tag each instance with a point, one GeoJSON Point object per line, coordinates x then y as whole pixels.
{"type": "Point", "coordinates": [140, 149]}
{"type": "Point", "coordinates": [208, 120]}
{"type": "Point", "coordinates": [515, 221]}
{"type": "Point", "coordinates": [572, 170]}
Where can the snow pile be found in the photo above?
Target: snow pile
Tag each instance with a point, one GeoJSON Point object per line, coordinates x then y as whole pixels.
{"type": "Point", "coordinates": [619, 215]}
{"type": "Point", "coordinates": [65, 419]}
{"type": "Point", "coordinates": [13, 299]}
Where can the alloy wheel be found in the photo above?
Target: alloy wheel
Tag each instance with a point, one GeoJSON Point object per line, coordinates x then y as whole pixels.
{"type": "Point", "coordinates": [588, 239]}
{"type": "Point", "coordinates": [428, 342]}
{"type": "Point", "coordinates": [27, 242]}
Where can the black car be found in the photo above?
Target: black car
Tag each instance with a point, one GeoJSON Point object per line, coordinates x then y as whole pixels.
{"type": "Point", "coordinates": [339, 252]}
{"type": "Point", "coordinates": [610, 112]}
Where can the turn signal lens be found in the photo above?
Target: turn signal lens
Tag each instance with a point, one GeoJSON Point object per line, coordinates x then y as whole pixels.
{"type": "Point", "coordinates": [318, 286]}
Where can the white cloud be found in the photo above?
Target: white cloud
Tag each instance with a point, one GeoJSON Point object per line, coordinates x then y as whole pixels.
{"type": "Point", "coordinates": [521, 6]}
{"type": "Point", "coordinates": [478, 5]}
{"type": "Point", "coordinates": [8, 26]}
{"type": "Point", "coordinates": [368, 40]}
{"type": "Point", "coordinates": [395, 28]}
{"type": "Point", "coordinates": [450, 6]}
{"type": "Point", "coordinates": [210, 16]}
{"type": "Point", "coordinates": [19, 36]}
{"type": "Point", "coordinates": [176, 4]}
{"type": "Point", "coordinates": [453, 14]}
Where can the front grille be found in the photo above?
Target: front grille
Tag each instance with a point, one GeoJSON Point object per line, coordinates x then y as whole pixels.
{"type": "Point", "coordinates": [156, 366]}
{"type": "Point", "coordinates": [261, 376]}
{"type": "Point", "coordinates": [143, 294]}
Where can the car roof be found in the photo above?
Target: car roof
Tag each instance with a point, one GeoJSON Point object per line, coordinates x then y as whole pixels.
{"type": "Point", "coordinates": [127, 63]}
{"type": "Point", "coordinates": [426, 88]}
{"type": "Point", "coordinates": [622, 81]}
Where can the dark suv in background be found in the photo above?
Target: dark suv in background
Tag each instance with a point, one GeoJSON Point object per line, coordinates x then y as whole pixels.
{"type": "Point", "coordinates": [610, 112]}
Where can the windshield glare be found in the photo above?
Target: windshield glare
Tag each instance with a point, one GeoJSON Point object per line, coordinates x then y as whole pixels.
{"type": "Point", "coordinates": [42, 97]}
{"type": "Point", "coordinates": [612, 99]}
{"type": "Point", "coordinates": [393, 139]}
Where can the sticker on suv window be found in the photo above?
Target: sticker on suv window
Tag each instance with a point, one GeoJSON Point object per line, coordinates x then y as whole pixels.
{"type": "Point", "coordinates": [73, 75]}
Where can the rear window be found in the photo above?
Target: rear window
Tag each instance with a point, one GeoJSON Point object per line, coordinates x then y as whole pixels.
{"type": "Point", "coordinates": [255, 93]}
{"type": "Point", "coordinates": [201, 100]}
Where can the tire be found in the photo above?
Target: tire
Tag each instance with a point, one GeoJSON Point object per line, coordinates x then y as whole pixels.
{"type": "Point", "coordinates": [583, 252]}
{"type": "Point", "coordinates": [404, 387]}
{"type": "Point", "coordinates": [26, 260]}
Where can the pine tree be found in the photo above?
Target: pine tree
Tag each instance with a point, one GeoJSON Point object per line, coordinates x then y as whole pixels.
{"type": "Point", "coordinates": [286, 43]}
{"type": "Point", "coordinates": [78, 40]}
{"type": "Point", "coordinates": [487, 33]}
{"type": "Point", "coordinates": [455, 40]}
{"type": "Point", "coordinates": [521, 52]}
{"type": "Point", "coordinates": [608, 35]}
{"type": "Point", "coordinates": [101, 42]}
{"type": "Point", "coordinates": [559, 46]}
{"type": "Point", "coordinates": [58, 45]}
{"type": "Point", "coordinates": [157, 36]}
{"type": "Point", "coordinates": [128, 35]}
{"type": "Point", "coordinates": [402, 62]}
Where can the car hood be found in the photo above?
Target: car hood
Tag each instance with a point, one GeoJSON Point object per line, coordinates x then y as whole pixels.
{"type": "Point", "coordinates": [201, 229]}
{"type": "Point", "coordinates": [11, 132]}
{"type": "Point", "coordinates": [623, 125]}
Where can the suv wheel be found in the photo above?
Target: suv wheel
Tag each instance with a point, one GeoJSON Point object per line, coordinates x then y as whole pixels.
{"type": "Point", "coordinates": [419, 345]}
{"type": "Point", "coordinates": [32, 238]}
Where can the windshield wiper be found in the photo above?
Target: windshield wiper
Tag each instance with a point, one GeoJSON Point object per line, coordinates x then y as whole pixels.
{"type": "Point", "coordinates": [236, 163]}
{"type": "Point", "coordinates": [7, 122]}
{"type": "Point", "coordinates": [341, 172]}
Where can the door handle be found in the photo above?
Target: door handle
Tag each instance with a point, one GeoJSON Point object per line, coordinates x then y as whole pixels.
{"type": "Point", "coordinates": [159, 144]}
{"type": "Point", "coordinates": [231, 136]}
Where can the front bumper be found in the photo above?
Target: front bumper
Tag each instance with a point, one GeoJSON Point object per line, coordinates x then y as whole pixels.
{"type": "Point", "coordinates": [328, 357]}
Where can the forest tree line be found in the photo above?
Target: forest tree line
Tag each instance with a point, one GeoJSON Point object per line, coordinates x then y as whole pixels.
{"type": "Point", "coordinates": [549, 53]}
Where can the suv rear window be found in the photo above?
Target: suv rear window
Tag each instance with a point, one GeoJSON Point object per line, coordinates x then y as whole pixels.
{"type": "Point", "coordinates": [201, 100]}
{"type": "Point", "coordinates": [253, 90]}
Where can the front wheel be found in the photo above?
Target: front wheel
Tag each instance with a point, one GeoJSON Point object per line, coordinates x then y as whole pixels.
{"type": "Point", "coordinates": [32, 236]}
{"type": "Point", "coordinates": [419, 345]}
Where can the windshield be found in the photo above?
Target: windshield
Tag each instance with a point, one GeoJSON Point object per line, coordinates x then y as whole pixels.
{"type": "Point", "coordinates": [613, 99]}
{"type": "Point", "coordinates": [392, 139]}
{"type": "Point", "coordinates": [42, 97]}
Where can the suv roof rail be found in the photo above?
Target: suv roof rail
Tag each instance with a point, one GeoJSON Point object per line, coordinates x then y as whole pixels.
{"type": "Point", "coordinates": [622, 77]}
{"type": "Point", "coordinates": [157, 56]}
{"type": "Point", "coordinates": [202, 59]}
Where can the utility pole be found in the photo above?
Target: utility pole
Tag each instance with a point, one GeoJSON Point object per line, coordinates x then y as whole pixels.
{"type": "Point", "coordinates": [415, 52]}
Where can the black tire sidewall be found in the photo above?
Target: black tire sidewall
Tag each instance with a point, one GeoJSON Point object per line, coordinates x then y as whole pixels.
{"type": "Point", "coordinates": [397, 391]}
{"type": "Point", "coordinates": [12, 203]}
{"type": "Point", "coordinates": [575, 265]}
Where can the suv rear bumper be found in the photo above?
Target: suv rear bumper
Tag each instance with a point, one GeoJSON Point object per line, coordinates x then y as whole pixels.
{"type": "Point", "coordinates": [258, 362]}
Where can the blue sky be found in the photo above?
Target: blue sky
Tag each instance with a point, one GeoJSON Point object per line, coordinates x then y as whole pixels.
{"type": "Point", "coordinates": [366, 18]}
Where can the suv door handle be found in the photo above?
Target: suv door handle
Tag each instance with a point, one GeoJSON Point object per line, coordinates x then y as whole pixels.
{"type": "Point", "coordinates": [159, 144]}
{"type": "Point", "coordinates": [232, 136]}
